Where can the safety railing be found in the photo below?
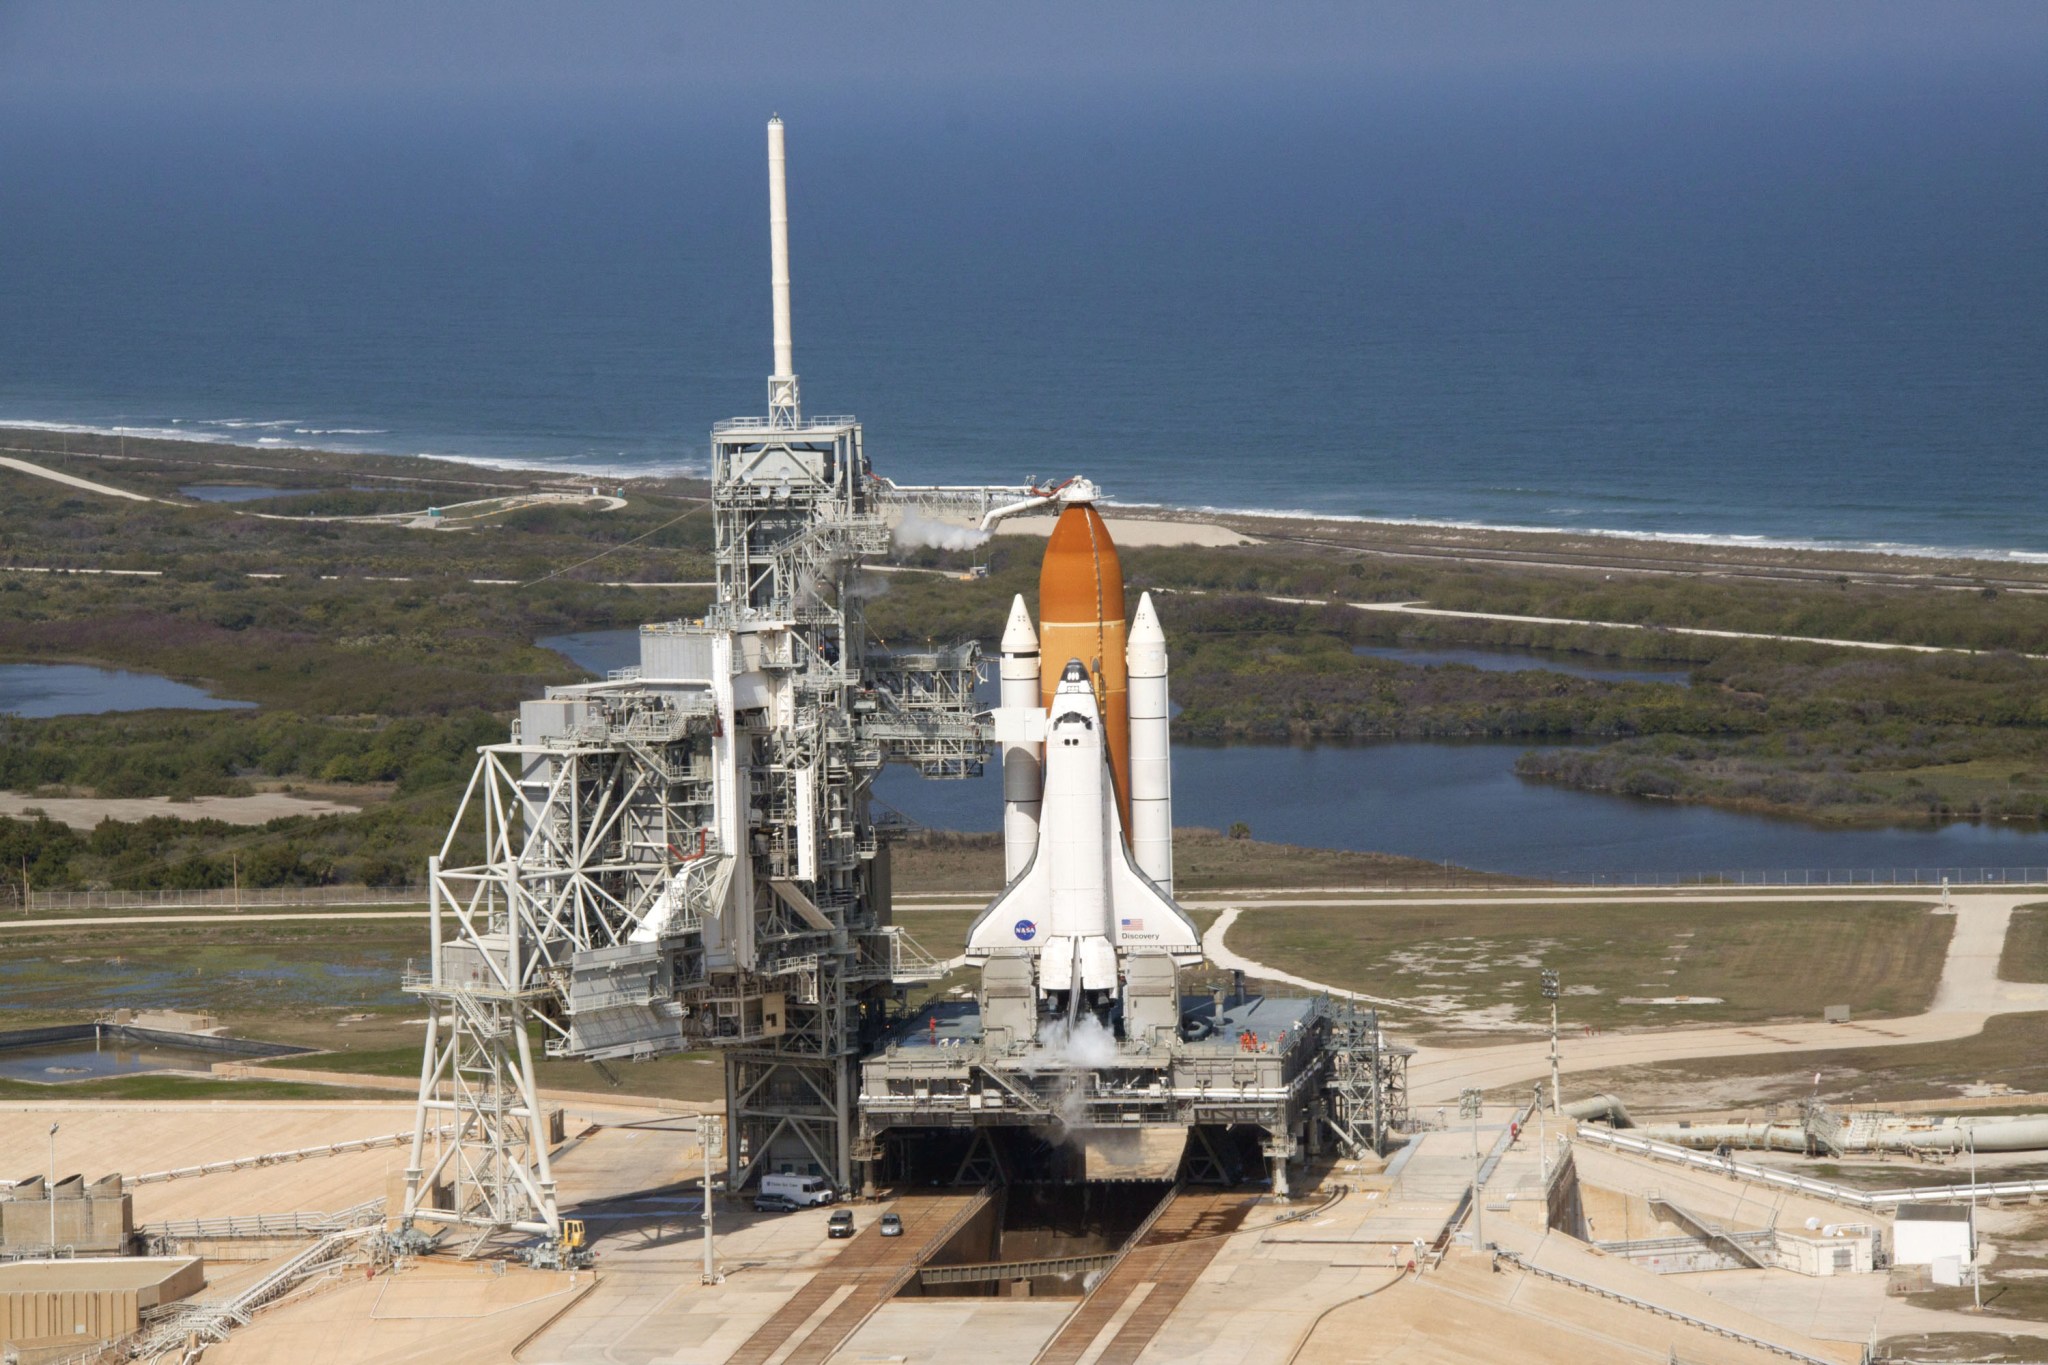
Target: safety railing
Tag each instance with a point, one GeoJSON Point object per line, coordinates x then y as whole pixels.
{"type": "Point", "coordinates": [224, 898]}
{"type": "Point", "coordinates": [1806, 1184]}
{"type": "Point", "coordinates": [1660, 1310]}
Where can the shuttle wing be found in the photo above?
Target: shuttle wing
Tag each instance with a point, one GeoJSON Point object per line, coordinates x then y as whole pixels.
{"type": "Point", "coordinates": [1081, 899]}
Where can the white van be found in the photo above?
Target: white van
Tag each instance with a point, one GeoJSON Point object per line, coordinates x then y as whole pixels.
{"type": "Point", "coordinates": [800, 1190]}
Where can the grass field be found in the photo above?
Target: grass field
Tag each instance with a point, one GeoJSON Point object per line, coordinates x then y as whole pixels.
{"type": "Point", "coordinates": [2026, 946]}
{"type": "Point", "coordinates": [2012, 1049]}
{"type": "Point", "coordinates": [1477, 967]}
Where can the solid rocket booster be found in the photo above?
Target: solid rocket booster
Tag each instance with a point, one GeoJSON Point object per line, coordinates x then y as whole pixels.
{"type": "Point", "coordinates": [1151, 801]}
{"type": "Point", "coordinates": [1022, 758]}
{"type": "Point", "coordinates": [1081, 616]}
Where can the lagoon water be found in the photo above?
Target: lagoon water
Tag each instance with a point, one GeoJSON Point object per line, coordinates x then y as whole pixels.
{"type": "Point", "coordinates": [57, 1063]}
{"type": "Point", "coordinates": [39, 690]}
{"type": "Point", "coordinates": [1464, 804]}
{"type": "Point", "coordinates": [597, 652]}
{"type": "Point", "coordinates": [1457, 802]}
{"type": "Point", "coordinates": [1505, 659]}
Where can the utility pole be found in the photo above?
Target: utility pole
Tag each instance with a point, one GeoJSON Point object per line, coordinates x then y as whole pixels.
{"type": "Point", "coordinates": [1550, 993]}
{"type": "Point", "coordinates": [710, 1135]}
{"type": "Point", "coordinates": [1468, 1107]}
{"type": "Point", "coordinates": [1976, 1272]}
{"type": "Point", "coordinates": [50, 1192]}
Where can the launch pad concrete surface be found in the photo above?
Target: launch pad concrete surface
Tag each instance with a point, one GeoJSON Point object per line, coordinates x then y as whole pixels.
{"type": "Point", "coordinates": [1331, 1283]}
{"type": "Point", "coordinates": [1323, 1279]}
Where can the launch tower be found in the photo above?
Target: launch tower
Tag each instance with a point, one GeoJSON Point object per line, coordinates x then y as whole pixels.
{"type": "Point", "coordinates": [683, 855]}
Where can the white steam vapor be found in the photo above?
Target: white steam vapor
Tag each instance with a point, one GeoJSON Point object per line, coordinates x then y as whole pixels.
{"type": "Point", "coordinates": [919, 532]}
{"type": "Point", "coordinates": [1088, 1046]}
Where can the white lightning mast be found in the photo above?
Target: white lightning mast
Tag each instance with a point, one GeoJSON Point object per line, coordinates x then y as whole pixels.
{"type": "Point", "coordinates": [783, 408]}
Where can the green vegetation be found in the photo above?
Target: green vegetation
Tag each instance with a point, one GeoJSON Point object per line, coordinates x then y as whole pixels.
{"type": "Point", "coordinates": [378, 665]}
{"type": "Point", "coordinates": [684, 1076]}
{"type": "Point", "coordinates": [268, 971]}
{"type": "Point", "coordinates": [2026, 946]}
{"type": "Point", "coordinates": [381, 655]}
{"type": "Point", "coordinates": [1477, 966]}
{"type": "Point", "coordinates": [1817, 731]}
{"type": "Point", "coordinates": [1203, 860]}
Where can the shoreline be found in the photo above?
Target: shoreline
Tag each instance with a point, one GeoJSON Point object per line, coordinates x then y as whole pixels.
{"type": "Point", "coordinates": [1265, 523]}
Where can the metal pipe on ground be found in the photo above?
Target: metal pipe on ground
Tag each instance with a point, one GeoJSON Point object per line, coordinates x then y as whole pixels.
{"type": "Point", "coordinates": [1750, 1136]}
{"type": "Point", "coordinates": [1607, 1107]}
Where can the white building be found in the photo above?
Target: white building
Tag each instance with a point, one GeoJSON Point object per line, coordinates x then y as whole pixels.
{"type": "Point", "coordinates": [1922, 1233]}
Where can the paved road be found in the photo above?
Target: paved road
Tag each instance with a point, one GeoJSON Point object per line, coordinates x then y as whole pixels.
{"type": "Point", "coordinates": [1969, 993]}
{"type": "Point", "coordinates": [227, 917]}
{"type": "Point", "coordinates": [88, 485]}
{"type": "Point", "coordinates": [1418, 609]}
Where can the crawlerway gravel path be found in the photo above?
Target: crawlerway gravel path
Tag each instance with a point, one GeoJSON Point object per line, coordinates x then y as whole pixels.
{"type": "Point", "coordinates": [1969, 993]}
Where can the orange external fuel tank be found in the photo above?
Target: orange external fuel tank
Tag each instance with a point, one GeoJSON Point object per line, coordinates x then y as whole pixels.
{"type": "Point", "coordinates": [1081, 616]}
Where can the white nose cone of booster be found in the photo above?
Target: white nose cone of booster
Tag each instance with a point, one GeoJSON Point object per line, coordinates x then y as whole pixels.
{"type": "Point", "coordinates": [1023, 771]}
{"type": "Point", "coordinates": [1151, 751]}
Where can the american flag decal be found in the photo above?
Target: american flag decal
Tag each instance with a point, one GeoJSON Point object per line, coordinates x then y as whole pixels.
{"type": "Point", "coordinates": [1132, 925]}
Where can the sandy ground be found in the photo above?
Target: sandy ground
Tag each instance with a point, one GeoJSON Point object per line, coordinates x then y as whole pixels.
{"type": "Point", "coordinates": [83, 812]}
{"type": "Point", "coordinates": [24, 467]}
{"type": "Point", "coordinates": [96, 1139]}
{"type": "Point", "coordinates": [442, 1311]}
{"type": "Point", "coordinates": [1423, 609]}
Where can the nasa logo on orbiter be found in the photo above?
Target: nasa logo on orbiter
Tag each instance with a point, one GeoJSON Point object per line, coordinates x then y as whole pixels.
{"type": "Point", "coordinates": [1025, 930]}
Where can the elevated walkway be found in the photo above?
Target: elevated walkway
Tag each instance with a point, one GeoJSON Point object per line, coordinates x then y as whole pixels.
{"type": "Point", "coordinates": [1868, 1200]}
{"type": "Point", "coordinates": [1711, 1233]}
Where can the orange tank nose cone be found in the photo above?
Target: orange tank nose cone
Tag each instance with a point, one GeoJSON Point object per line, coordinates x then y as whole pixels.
{"type": "Point", "coordinates": [1081, 616]}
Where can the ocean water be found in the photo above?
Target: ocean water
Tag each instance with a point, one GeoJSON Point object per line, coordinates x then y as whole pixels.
{"type": "Point", "coordinates": [1797, 304]}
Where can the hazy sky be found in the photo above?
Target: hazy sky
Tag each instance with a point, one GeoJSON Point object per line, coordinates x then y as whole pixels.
{"type": "Point", "coordinates": [72, 48]}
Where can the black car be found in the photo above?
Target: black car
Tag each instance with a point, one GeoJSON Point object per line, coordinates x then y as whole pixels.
{"type": "Point", "coordinates": [840, 1224]}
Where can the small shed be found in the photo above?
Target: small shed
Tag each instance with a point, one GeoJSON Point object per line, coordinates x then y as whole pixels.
{"type": "Point", "coordinates": [1845, 1249]}
{"type": "Point", "coordinates": [1922, 1233]}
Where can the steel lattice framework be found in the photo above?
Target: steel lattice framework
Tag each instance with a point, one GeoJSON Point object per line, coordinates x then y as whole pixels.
{"type": "Point", "coordinates": [683, 855]}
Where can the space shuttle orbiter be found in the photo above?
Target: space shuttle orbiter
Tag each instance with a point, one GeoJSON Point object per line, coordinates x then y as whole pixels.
{"type": "Point", "coordinates": [1084, 741]}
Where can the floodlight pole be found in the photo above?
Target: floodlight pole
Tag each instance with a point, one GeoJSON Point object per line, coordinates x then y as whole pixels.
{"type": "Point", "coordinates": [51, 1192]}
{"type": "Point", "coordinates": [710, 1131]}
{"type": "Point", "coordinates": [1468, 1105]}
{"type": "Point", "coordinates": [1976, 1272]}
{"type": "Point", "coordinates": [1542, 1150]}
{"type": "Point", "coordinates": [1550, 993]}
